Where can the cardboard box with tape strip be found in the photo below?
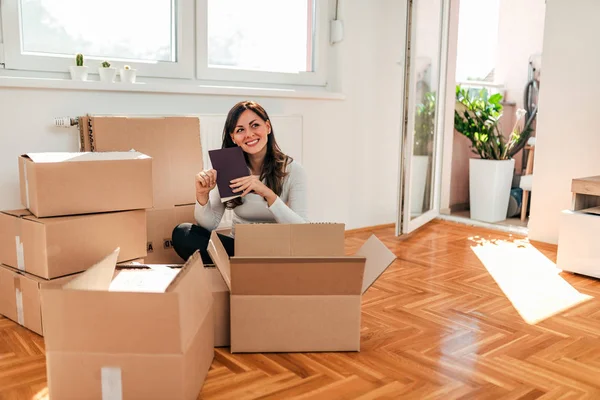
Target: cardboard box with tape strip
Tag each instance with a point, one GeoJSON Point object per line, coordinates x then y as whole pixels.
{"type": "Point", "coordinates": [293, 289]}
{"type": "Point", "coordinates": [20, 296]}
{"type": "Point", "coordinates": [57, 184]}
{"type": "Point", "coordinates": [131, 332]}
{"type": "Point", "coordinates": [59, 246]}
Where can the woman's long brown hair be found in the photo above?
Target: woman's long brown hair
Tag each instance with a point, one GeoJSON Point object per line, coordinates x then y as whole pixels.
{"type": "Point", "coordinates": [274, 166]}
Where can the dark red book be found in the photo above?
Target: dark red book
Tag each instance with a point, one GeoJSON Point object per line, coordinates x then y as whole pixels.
{"type": "Point", "coordinates": [230, 164]}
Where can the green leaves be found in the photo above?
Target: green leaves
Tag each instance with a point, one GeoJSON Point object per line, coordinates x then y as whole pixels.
{"type": "Point", "coordinates": [424, 124]}
{"type": "Point", "coordinates": [476, 116]}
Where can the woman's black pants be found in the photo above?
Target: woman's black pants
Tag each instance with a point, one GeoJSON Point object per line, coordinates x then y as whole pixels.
{"type": "Point", "coordinates": [187, 238]}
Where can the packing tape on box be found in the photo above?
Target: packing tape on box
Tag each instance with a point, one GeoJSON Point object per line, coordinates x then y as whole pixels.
{"type": "Point", "coordinates": [20, 253]}
{"type": "Point", "coordinates": [112, 386]}
{"type": "Point", "coordinates": [19, 297]}
{"type": "Point", "coordinates": [26, 183]}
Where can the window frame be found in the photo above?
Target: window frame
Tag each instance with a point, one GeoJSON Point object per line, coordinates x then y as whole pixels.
{"type": "Point", "coordinates": [320, 44]}
{"type": "Point", "coordinates": [182, 68]}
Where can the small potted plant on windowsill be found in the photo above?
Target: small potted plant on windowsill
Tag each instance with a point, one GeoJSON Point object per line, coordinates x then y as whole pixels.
{"type": "Point", "coordinates": [79, 72]}
{"type": "Point", "coordinates": [128, 75]}
{"type": "Point", "coordinates": [107, 73]}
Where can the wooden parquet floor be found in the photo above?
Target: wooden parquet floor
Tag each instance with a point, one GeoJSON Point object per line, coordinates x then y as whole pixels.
{"type": "Point", "coordinates": [464, 313]}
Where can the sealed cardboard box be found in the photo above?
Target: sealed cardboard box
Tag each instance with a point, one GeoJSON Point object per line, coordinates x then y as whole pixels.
{"type": "Point", "coordinates": [172, 142]}
{"type": "Point", "coordinates": [56, 184]}
{"type": "Point", "coordinates": [58, 246]}
{"type": "Point", "coordinates": [20, 297]}
{"type": "Point", "coordinates": [161, 223]}
{"type": "Point", "coordinates": [281, 302]}
{"type": "Point", "coordinates": [131, 332]}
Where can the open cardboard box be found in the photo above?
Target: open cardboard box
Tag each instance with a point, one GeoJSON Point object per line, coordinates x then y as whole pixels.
{"type": "Point", "coordinates": [293, 290]}
{"type": "Point", "coordinates": [56, 183]}
{"type": "Point", "coordinates": [132, 332]}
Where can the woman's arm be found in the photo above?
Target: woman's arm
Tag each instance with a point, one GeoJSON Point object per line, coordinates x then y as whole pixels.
{"type": "Point", "coordinates": [296, 209]}
{"type": "Point", "coordinates": [209, 216]}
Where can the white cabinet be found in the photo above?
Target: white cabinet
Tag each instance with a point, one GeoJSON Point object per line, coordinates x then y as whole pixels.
{"type": "Point", "coordinates": [579, 230]}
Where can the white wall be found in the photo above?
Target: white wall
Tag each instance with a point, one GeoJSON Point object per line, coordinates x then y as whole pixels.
{"type": "Point", "coordinates": [351, 147]}
{"type": "Point", "coordinates": [568, 136]}
{"type": "Point", "coordinates": [520, 35]}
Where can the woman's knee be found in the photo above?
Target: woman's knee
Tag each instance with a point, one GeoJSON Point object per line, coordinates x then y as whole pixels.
{"type": "Point", "coordinates": [180, 233]}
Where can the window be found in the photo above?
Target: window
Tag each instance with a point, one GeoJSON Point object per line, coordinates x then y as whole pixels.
{"type": "Point", "coordinates": [265, 41]}
{"type": "Point", "coordinates": [269, 41]}
{"type": "Point", "coordinates": [477, 40]}
{"type": "Point", "coordinates": [46, 34]}
{"type": "Point", "coordinates": [241, 35]}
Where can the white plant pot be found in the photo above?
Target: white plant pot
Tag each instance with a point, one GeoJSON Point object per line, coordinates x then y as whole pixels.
{"type": "Point", "coordinates": [128, 75]}
{"type": "Point", "coordinates": [78, 73]}
{"type": "Point", "coordinates": [107, 74]}
{"type": "Point", "coordinates": [489, 188]}
{"type": "Point", "coordinates": [419, 180]}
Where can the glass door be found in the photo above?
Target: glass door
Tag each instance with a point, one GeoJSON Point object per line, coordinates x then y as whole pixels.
{"type": "Point", "coordinates": [423, 113]}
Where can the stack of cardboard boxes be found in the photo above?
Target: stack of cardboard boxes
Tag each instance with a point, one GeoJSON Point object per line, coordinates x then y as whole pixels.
{"type": "Point", "coordinates": [79, 207]}
{"type": "Point", "coordinates": [175, 147]}
{"type": "Point", "coordinates": [116, 329]}
{"type": "Point", "coordinates": [112, 327]}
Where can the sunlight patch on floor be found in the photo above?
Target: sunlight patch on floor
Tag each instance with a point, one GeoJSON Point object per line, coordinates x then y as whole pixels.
{"type": "Point", "coordinates": [41, 395]}
{"type": "Point", "coordinates": [528, 278]}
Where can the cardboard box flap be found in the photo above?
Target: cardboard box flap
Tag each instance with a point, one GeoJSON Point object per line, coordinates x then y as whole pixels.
{"type": "Point", "coordinates": [297, 275]}
{"type": "Point", "coordinates": [17, 213]}
{"type": "Point", "coordinates": [326, 239]}
{"type": "Point", "coordinates": [220, 257]}
{"type": "Point", "coordinates": [262, 240]}
{"type": "Point", "coordinates": [193, 285]}
{"type": "Point", "coordinates": [56, 157]}
{"type": "Point", "coordinates": [379, 258]}
{"type": "Point", "coordinates": [98, 277]}
{"type": "Point", "coordinates": [281, 240]}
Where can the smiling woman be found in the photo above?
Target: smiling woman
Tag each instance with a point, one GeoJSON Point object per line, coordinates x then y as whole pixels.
{"type": "Point", "coordinates": [274, 192]}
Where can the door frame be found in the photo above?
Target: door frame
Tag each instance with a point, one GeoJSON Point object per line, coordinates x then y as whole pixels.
{"type": "Point", "coordinates": [404, 223]}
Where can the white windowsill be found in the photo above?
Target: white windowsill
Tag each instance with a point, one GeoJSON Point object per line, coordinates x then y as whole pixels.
{"type": "Point", "coordinates": [178, 88]}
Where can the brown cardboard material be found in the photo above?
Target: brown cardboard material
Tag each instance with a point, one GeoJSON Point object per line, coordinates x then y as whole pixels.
{"type": "Point", "coordinates": [291, 303]}
{"type": "Point", "coordinates": [20, 297]}
{"type": "Point", "coordinates": [221, 307]}
{"type": "Point", "coordinates": [172, 142]}
{"type": "Point", "coordinates": [138, 341]}
{"type": "Point", "coordinates": [281, 240]}
{"type": "Point", "coordinates": [295, 323]}
{"type": "Point", "coordinates": [57, 184]}
{"type": "Point", "coordinates": [59, 246]}
{"type": "Point", "coordinates": [161, 223]}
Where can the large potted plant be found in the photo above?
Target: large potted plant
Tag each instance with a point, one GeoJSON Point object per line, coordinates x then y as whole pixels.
{"type": "Point", "coordinates": [477, 117]}
{"type": "Point", "coordinates": [422, 150]}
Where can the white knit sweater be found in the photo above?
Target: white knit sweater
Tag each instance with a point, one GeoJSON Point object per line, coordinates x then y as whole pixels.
{"type": "Point", "coordinates": [289, 208]}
